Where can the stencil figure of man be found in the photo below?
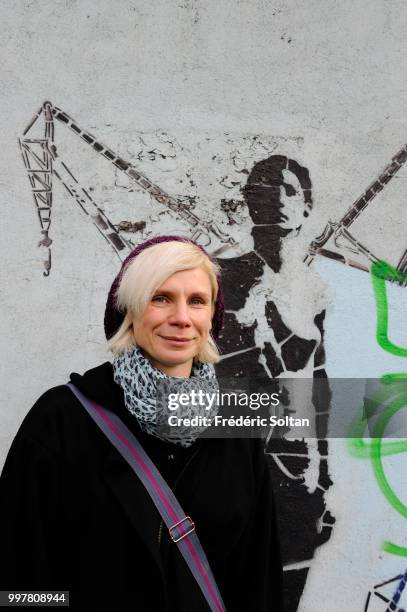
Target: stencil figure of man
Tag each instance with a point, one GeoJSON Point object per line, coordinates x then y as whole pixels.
{"type": "Point", "coordinates": [274, 329]}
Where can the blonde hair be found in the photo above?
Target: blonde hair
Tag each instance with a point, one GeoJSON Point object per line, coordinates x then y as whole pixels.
{"type": "Point", "coordinates": [144, 274]}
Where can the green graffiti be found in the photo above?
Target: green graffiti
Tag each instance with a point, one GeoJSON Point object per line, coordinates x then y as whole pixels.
{"type": "Point", "coordinates": [376, 452]}
{"type": "Point", "coordinates": [388, 378]}
{"type": "Point", "coordinates": [394, 549]}
{"type": "Point", "coordinates": [381, 271]}
{"type": "Point", "coordinates": [393, 389]}
{"type": "Point", "coordinates": [376, 456]}
{"type": "Point", "coordinates": [375, 449]}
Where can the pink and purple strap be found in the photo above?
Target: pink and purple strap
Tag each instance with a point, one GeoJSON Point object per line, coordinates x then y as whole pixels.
{"type": "Point", "coordinates": [181, 528]}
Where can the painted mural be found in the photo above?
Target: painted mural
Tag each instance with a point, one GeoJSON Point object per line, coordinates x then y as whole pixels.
{"type": "Point", "coordinates": [378, 413]}
{"type": "Point", "coordinates": [247, 199]}
{"type": "Point", "coordinates": [266, 337]}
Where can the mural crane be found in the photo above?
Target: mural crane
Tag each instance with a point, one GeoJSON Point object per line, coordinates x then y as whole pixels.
{"type": "Point", "coordinates": [42, 162]}
{"type": "Point", "coordinates": [336, 241]}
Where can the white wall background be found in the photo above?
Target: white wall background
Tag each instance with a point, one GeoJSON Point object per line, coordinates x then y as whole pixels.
{"type": "Point", "coordinates": [331, 74]}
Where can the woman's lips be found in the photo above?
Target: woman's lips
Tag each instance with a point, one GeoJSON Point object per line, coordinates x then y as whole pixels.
{"type": "Point", "coordinates": [177, 340]}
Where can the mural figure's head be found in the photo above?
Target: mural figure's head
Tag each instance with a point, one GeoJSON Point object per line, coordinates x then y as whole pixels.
{"type": "Point", "coordinates": [278, 196]}
{"type": "Point", "coordinates": [166, 301]}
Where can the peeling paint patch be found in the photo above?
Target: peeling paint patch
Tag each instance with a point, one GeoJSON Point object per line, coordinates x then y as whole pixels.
{"type": "Point", "coordinates": [230, 207]}
{"type": "Point", "coordinates": [131, 226]}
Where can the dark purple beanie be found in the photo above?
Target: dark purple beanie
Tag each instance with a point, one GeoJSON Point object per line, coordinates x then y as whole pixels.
{"type": "Point", "coordinates": [114, 318]}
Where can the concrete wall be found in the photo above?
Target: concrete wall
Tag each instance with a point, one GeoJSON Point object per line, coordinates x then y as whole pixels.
{"type": "Point", "coordinates": [195, 94]}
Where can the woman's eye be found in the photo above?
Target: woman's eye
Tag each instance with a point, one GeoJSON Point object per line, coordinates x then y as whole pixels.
{"type": "Point", "coordinates": [197, 300]}
{"type": "Point", "coordinates": [159, 298]}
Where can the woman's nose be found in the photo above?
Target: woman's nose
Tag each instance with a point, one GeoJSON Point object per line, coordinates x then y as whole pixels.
{"type": "Point", "coordinates": [180, 314]}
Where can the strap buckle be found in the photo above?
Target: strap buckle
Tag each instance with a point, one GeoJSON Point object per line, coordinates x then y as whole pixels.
{"type": "Point", "coordinates": [190, 529]}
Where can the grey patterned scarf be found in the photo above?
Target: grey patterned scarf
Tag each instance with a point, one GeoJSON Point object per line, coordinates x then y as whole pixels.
{"type": "Point", "coordinates": [146, 390]}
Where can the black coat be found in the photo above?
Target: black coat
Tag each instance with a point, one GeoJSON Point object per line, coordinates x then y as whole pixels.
{"type": "Point", "coordinates": [74, 516]}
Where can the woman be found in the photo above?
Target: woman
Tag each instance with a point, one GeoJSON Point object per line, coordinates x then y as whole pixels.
{"type": "Point", "coordinates": [74, 516]}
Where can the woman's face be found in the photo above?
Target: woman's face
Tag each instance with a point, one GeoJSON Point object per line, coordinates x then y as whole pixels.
{"type": "Point", "coordinates": [176, 322]}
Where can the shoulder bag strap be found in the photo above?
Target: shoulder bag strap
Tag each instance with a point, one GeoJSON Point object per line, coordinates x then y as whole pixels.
{"type": "Point", "coordinates": [181, 527]}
